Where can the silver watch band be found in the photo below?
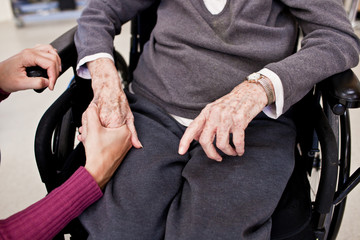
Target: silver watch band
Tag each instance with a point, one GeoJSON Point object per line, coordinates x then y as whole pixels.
{"type": "Point", "coordinates": [265, 83]}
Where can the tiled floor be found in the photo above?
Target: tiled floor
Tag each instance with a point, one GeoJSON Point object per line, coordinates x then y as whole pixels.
{"type": "Point", "coordinates": [20, 184]}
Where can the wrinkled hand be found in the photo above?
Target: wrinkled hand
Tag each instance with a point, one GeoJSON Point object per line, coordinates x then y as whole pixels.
{"type": "Point", "coordinates": [230, 114]}
{"type": "Point", "coordinates": [13, 70]}
{"type": "Point", "coordinates": [105, 148]}
{"type": "Point", "coordinates": [114, 110]}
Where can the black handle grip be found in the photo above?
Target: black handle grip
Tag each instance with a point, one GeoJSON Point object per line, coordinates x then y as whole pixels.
{"type": "Point", "coordinates": [37, 72]}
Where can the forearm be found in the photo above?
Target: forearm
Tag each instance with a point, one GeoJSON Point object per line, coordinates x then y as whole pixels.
{"type": "Point", "coordinates": [105, 78]}
{"type": "Point", "coordinates": [44, 219]}
{"type": "Point", "coordinates": [328, 47]}
{"type": "Point", "coordinates": [101, 21]}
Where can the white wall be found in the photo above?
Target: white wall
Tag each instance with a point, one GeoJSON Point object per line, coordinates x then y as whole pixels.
{"type": "Point", "coordinates": [5, 10]}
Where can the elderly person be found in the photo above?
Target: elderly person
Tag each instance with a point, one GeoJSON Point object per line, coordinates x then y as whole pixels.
{"type": "Point", "coordinates": [216, 81]}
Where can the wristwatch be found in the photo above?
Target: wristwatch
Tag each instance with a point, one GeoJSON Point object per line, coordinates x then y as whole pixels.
{"type": "Point", "coordinates": [265, 83]}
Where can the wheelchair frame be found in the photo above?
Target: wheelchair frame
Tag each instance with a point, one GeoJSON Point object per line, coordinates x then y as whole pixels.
{"type": "Point", "coordinates": [55, 136]}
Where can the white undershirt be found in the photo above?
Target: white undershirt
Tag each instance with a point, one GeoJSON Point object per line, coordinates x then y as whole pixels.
{"type": "Point", "coordinates": [215, 6]}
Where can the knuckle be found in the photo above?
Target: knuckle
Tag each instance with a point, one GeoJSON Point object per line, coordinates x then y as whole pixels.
{"type": "Point", "coordinates": [130, 117]}
{"type": "Point", "coordinates": [222, 146]}
{"type": "Point", "coordinates": [204, 141]}
{"type": "Point", "coordinates": [238, 142]}
{"type": "Point", "coordinates": [207, 111]}
{"type": "Point", "coordinates": [53, 59]}
{"type": "Point", "coordinates": [238, 120]}
{"type": "Point", "coordinates": [27, 51]}
{"type": "Point", "coordinates": [239, 125]}
{"type": "Point", "coordinates": [220, 141]}
{"type": "Point", "coordinates": [49, 47]}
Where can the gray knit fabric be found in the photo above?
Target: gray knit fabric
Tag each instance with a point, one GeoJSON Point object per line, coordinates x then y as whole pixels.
{"type": "Point", "coordinates": [194, 57]}
{"type": "Point", "coordinates": [158, 194]}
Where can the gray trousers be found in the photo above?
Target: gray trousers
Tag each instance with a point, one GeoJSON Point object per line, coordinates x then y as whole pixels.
{"type": "Point", "coordinates": [158, 194]}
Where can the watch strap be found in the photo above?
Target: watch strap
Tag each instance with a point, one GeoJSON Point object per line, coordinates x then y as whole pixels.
{"type": "Point", "coordinates": [265, 83]}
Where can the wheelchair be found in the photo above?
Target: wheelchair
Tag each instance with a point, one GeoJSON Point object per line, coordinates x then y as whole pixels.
{"type": "Point", "coordinates": [308, 209]}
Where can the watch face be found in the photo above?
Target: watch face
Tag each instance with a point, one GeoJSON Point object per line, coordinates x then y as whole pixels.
{"type": "Point", "coordinates": [254, 77]}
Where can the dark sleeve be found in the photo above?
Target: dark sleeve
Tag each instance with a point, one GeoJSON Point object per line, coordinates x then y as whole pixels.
{"type": "Point", "coordinates": [101, 20]}
{"type": "Point", "coordinates": [329, 46]}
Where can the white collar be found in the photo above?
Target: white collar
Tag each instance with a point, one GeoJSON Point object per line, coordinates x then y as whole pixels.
{"type": "Point", "coordinates": [215, 6]}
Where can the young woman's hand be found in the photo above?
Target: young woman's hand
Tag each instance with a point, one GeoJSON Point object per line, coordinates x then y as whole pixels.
{"type": "Point", "coordinates": [13, 70]}
{"type": "Point", "coordinates": [105, 148]}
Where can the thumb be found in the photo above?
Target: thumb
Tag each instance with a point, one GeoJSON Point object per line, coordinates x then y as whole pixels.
{"type": "Point", "coordinates": [92, 115]}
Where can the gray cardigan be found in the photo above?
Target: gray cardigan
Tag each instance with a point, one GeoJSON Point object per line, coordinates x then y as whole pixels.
{"type": "Point", "coordinates": [194, 57]}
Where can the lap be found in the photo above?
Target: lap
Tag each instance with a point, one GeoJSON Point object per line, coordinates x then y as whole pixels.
{"type": "Point", "coordinates": [156, 189]}
{"type": "Point", "coordinates": [236, 197]}
{"type": "Point", "coordinates": [135, 200]}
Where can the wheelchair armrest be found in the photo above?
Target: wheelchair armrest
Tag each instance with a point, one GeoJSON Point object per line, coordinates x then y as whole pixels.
{"type": "Point", "coordinates": [65, 46]}
{"type": "Point", "coordinates": [342, 91]}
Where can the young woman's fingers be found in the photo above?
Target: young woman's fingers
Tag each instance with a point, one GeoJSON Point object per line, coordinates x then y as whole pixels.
{"type": "Point", "coordinates": [33, 83]}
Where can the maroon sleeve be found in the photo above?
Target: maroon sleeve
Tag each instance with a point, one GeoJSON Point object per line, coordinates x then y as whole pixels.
{"type": "Point", "coordinates": [3, 95]}
{"type": "Point", "coordinates": [45, 218]}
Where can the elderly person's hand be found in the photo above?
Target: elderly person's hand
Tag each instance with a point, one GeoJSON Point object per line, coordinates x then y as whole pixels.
{"type": "Point", "coordinates": [230, 114]}
{"type": "Point", "coordinates": [105, 148]}
{"type": "Point", "coordinates": [13, 70]}
{"type": "Point", "coordinates": [114, 110]}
